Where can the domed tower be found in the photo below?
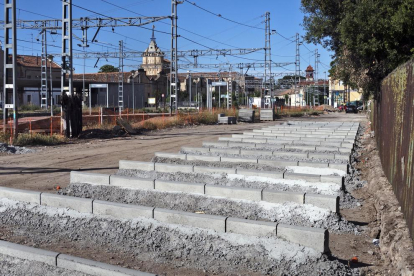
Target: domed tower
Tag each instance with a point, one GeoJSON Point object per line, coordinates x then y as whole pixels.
{"type": "Point", "coordinates": [153, 58]}
{"type": "Point", "coordinates": [309, 73]}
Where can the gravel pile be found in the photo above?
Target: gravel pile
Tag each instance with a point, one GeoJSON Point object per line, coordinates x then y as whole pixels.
{"type": "Point", "coordinates": [4, 148]}
{"type": "Point", "coordinates": [287, 213]}
{"type": "Point", "coordinates": [173, 246]}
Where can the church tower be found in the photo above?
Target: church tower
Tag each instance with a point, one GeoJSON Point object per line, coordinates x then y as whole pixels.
{"type": "Point", "coordinates": [153, 58]}
{"type": "Point", "coordinates": [309, 73]}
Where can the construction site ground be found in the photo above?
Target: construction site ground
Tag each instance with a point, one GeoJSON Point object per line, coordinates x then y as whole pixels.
{"type": "Point", "coordinates": [49, 167]}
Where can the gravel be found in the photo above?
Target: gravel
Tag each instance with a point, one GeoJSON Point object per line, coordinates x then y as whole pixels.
{"type": "Point", "coordinates": [174, 245]}
{"type": "Point", "coordinates": [287, 213]}
{"type": "Point", "coordinates": [5, 148]}
{"type": "Point", "coordinates": [18, 267]}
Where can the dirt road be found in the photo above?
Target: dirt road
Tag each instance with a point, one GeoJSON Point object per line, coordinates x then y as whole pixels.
{"type": "Point", "coordinates": [49, 167]}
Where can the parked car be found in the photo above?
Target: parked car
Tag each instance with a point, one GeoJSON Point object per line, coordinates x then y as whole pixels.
{"type": "Point", "coordinates": [350, 108]}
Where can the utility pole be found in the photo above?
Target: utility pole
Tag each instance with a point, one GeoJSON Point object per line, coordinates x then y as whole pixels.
{"type": "Point", "coordinates": [121, 77]}
{"type": "Point", "coordinates": [189, 75]}
{"type": "Point", "coordinates": [297, 67]}
{"type": "Point", "coordinates": [50, 58]}
{"type": "Point", "coordinates": [268, 57]}
{"type": "Point", "coordinates": [43, 72]}
{"type": "Point", "coordinates": [10, 53]}
{"type": "Point", "coordinates": [71, 124]}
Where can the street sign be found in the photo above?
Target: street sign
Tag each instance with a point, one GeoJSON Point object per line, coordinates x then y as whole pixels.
{"type": "Point", "coordinates": [9, 106]}
{"type": "Point", "coordinates": [219, 83]}
{"type": "Point", "coordinates": [151, 100]}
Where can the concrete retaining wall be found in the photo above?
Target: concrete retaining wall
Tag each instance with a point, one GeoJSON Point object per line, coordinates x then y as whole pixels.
{"type": "Point", "coordinates": [136, 165]}
{"type": "Point", "coordinates": [90, 178]}
{"type": "Point", "coordinates": [131, 182]}
{"type": "Point", "coordinates": [83, 205]}
{"type": "Point", "coordinates": [234, 192]}
{"type": "Point", "coordinates": [315, 238]}
{"type": "Point", "coordinates": [20, 195]}
{"type": "Point", "coordinates": [121, 211]}
{"type": "Point", "coordinates": [323, 201]}
{"type": "Point", "coordinates": [64, 261]}
{"type": "Point", "coordinates": [251, 227]}
{"type": "Point", "coordinates": [168, 186]}
{"type": "Point", "coordinates": [217, 223]}
{"type": "Point", "coordinates": [282, 197]}
{"type": "Point", "coordinates": [94, 268]}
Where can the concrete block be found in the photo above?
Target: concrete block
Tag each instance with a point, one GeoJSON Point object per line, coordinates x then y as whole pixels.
{"type": "Point", "coordinates": [281, 197]}
{"type": "Point", "coordinates": [315, 238]}
{"type": "Point", "coordinates": [342, 167]}
{"type": "Point", "coordinates": [322, 155]}
{"type": "Point", "coordinates": [234, 192]}
{"type": "Point", "coordinates": [300, 147]}
{"type": "Point", "coordinates": [302, 176]}
{"type": "Point", "coordinates": [256, 152]}
{"type": "Point", "coordinates": [252, 133]}
{"type": "Point", "coordinates": [226, 151]}
{"type": "Point", "coordinates": [164, 167]}
{"type": "Point", "coordinates": [122, 211]}
{"type": "Point", "coordinates": [238, 136]}
{"type": "Point", "coordinates": [230, 139]}
{"type": "Point", "coordinates": [331, 144]}
{"type": "Point", "coordinates": [20, 195]}
{"type": "Point", "coordinates": [277, 163]}
{"type": "Point", "coordinates": [217, 223]}
{"type": "Point", "coordinates": [254, 140]}
{"type": "Point", "coordinates": [28, 253]}
{"type": "Point", "coordinates": [323, 201]}
{"type": "Point", "coordinates": [171, 186]}
{"type": "Point", "coordinates": [347, 145]}
{"type": "Point", "coordinates": [215, 144]}
{"type": "Point", "coordinates": [90, 267]}
{"type": "Point", "coordinates": [345, 150]}
{"type": "Point", "coordinates": [136, 165]}
{"type": "Point", "coordinates": [342, 157]}
{"type": "Point", "coordinates": [251, 227]}
{"type": "Point", "coordinates": [82, 205]}
{"type": "Point", "coordinates": [291, 153]}
{"type": "Point", "coordinates": [191, 157]}
{"type": "Point", "coordinates": [238, 160]}
{"type": "Point", "coordinates": [333, 179]}
{"type": "Point", "coordinates": [313, 164]}
{"type": "Point", "coordinates": [202, 169]}
{"type": "Point", "coordinates": [171, 155]}
{"type": "Point", "coordinates": [190, 149]}
{"type": "Point", "coordinates": [270, 174]}
{"type": "Point", "coordinates": [131, 182]}
{"type": "Point", "coordinates": [89, 178]}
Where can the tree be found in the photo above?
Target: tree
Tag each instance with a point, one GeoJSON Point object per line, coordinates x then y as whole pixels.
{"type": "Point", "coordinates": [107, 68]}
{"type": "Point", "coordinates": [369, 38]}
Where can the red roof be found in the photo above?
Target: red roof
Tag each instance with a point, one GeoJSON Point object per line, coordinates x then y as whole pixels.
{"type": "Point", "coordinates": [33, 61]}
{"type": "Point", "coordinates": [309, 69]}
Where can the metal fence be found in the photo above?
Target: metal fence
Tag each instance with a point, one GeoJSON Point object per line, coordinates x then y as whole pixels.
{"type": "Point", "coordinates": [393, 123]}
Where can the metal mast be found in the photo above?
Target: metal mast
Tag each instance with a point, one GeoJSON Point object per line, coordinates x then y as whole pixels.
{"type": "Point", "coordinates": [268, 58]}
{"type": "Point", "coordinates": [315, 73]}
{"type": "Point", "coordinates": [174, 58]}
{"type": "Point", "coordinates": [43, 73]}
{"type": "Point", "coordinates": [67, 65]}
{"type": "Point", "coordinates": [121, 77]}
{"type": "Point", "coordinates": [297, 67]}
{"type": "Point", "coordinates": [10, 52]}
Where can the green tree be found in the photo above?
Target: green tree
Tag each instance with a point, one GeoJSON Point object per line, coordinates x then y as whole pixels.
{"type": "Point", "coordinates": [107, 68]}
{"type": "Point", "coordinates": [369, 38]}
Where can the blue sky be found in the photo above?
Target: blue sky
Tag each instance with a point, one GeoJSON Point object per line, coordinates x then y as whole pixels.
{"type": "Point", "coordinates": [205, 29]}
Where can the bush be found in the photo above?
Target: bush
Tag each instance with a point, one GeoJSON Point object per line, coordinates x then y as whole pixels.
{"type": "Point", "coordinates": [26, 139]}
{"type": "Point", "coordinates": [29, 107]}
{"type": "Point", "coordinates": [296, 114]}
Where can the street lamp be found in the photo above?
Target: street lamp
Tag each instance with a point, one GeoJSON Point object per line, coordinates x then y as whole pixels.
{"type": "Point", "coordinates": [189, 83]}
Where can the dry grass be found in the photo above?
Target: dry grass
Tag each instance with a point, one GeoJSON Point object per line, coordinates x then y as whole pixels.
{"type": "Point", "coordinates": [34, 139]}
